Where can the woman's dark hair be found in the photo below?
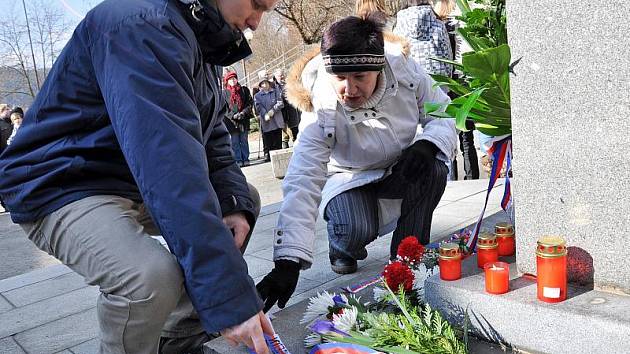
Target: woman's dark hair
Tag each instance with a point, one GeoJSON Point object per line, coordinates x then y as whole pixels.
{"type": "Point", "coordinates": [353, 35]}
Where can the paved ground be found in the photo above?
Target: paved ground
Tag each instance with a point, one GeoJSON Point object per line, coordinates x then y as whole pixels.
{"type": "Point", "coordinates": [48, 309]}
{"type": "Point", "coordinates": [17, 254]}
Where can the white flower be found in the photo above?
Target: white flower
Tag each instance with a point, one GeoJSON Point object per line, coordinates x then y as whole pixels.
{"type": "Point", "coordinates": [347, 320]}
{"type": "Point", "coordinates": [312, 340]}
{"type": "Point", "coordinates": [318, 306]}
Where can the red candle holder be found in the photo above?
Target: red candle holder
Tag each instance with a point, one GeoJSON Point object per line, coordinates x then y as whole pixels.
{"type": "Point", "coordinates": [497, 277]}
{"type": "Point", "coordinates": [551, 266]}
{"type": "Point", "coordinates": [450, 261]}
{"type": "Point", "coordinates": [487, 249]}
{"type": "Point", "coordinates": [504, 232]}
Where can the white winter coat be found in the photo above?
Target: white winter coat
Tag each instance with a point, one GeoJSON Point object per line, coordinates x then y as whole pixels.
{"type": "Point", "coordinates": [338, 150]}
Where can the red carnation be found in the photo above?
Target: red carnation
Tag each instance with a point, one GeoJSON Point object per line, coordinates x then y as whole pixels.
{"type": "Point", "coordinates": [398, 273]}
{"type": "Point", "coordinates": [410, 249]}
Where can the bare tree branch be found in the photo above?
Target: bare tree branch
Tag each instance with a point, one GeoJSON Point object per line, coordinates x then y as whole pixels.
{"type": "Point", "coordinates": [30, 42]}
{"type": "Point", "coordinates": [7, 93]}
{"type": "Point", "coordinates": [29, 45]}
{"type": "Point", "coordinates": [310, 18]}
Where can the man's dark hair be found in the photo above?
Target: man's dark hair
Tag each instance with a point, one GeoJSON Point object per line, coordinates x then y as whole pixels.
{"type": "Point", "coordinates": [352, 35]}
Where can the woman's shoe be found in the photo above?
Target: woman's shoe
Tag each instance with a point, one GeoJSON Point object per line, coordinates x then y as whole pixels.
{"type": "Point", "coordinates": [343, 265]}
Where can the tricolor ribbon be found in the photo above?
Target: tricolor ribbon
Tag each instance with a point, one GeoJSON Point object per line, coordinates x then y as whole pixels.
{"type": "Point", "coordinates": [275, 345]}
{"type": "Point", "coordinates": [500, 150]}
{"type": "Point", "coordinates": [506, 201]}
{"type": "Point", "coordinates": [353, 289]}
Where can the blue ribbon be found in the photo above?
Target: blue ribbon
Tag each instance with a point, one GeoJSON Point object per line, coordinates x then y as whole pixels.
{"type": "Point", "coordinates": [499, 150]}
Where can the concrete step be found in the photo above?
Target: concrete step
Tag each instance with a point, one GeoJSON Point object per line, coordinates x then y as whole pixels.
{"type": "Point", "coordinates": [589, 321]}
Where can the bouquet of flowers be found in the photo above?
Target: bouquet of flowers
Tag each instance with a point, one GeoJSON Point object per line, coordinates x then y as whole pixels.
{"type": "Point", "coordinates": [398, 322]}
{"type": "Point", "coordinates": [413, 264]}
{"type": "Point", "coordinates": [408, 329]}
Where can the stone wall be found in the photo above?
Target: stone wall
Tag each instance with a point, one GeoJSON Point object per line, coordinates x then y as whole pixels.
{"type": "Point", "coordinates": [571, 112]}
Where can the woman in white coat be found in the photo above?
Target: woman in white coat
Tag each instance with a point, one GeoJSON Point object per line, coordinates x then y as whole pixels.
{"type": "Point", "coordinates": [367, 155]}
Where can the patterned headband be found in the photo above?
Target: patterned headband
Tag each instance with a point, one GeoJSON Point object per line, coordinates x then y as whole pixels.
{"type": "Point", "coordinates": [344, 63]}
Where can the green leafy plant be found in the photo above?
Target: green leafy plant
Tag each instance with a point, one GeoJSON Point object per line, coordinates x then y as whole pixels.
{"type": "Point", "coordinates": [486, 25]}
{"type": "Point", "coordinates": [484, 89]}
{"type": "Point", "coordinates": [404, 328]}
{"type": "Point", "coordinates": [419, 329]}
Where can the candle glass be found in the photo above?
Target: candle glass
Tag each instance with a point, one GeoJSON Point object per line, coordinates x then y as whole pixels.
{"type": "Point", "coordinates": [487, 255]}
{"type": "Point", "coordinates": [450, 262]}
{"type": "Point", "coordinates": [497, 277]}
{"type": "Point", "coordinates": [507, 245]}
{"type": "Point", "coordinates": [487, 249]}
{"type": "Point", "coordinates": [551, 267]}
{"type": "Point", "coordinates": [504, 228]}
{"type": "Point", "coordinates": [504, 232]}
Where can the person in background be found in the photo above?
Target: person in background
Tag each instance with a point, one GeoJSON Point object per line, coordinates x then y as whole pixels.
{"type": "Point", "coordinates": [268, 102]}
{"type": "Point", "coordinates": [368, 157]}
{"type": "Point", "coordinates": [239, 113]}
{"type": "Point", "coordinates": [427, 36]}
{"type": "Point", "coordinates": [364, 8]}
{"type": "Point", "coordinates": [6, 128]}
{"type": "Point", "coordinates": [290, 114]}
{"type": "Point", "coordinates": [5, 112]}
{"type": "Point", "coordinates": [17, 114]}
{"type": "Point", "coordinates": [126, 140]}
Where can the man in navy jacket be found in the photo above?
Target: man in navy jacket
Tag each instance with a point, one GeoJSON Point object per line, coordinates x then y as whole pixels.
{"type": "Point", "coordinates": [126, 140]}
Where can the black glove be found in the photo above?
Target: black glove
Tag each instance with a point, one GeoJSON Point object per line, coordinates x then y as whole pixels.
{"type": "Point", "coordinates": [279, 284]}
{"type": "Point", "coordinates": [416, 160]}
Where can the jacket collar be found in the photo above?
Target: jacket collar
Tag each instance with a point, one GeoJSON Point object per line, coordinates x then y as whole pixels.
{"type": "Point", "coordinates": [220, 44]}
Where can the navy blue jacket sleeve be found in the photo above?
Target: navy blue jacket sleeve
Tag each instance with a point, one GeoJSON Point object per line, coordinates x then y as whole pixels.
{"type": "Point", "coordinates": [145, 69]}
{"type": "Point", "coordinates": [226, 177]}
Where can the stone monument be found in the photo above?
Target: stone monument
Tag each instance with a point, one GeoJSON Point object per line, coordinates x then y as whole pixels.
{"type": "Point", "coordinates": [570, 104]}
{"type": "Point", "coordinates": [570, 99]}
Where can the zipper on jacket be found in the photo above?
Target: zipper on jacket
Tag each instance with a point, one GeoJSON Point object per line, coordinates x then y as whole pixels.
{"type": "Point", "coordinates": [379, 139]}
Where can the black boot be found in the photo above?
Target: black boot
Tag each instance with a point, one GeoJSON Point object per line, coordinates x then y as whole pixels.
{"type": "Point", "coordinates": [186, 345]}
{"type": "Point", "coordinates": [343, 265]}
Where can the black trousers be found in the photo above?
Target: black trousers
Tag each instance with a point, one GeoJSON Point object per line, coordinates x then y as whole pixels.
{"type": "Point", "coordinates": [471, 163]}
{"type": "Point", "coordinates": [272, 140]}
{"type": "Point", "coordinates": [352, 216]}
{"type": "Point", "coordinates": [469, 152]}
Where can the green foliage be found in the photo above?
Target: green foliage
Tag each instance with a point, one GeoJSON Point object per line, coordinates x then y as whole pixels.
{"type": "Point", "coordinates": [486, 25]}
{"type": "Point", "coordinates": [418, 329]}
{"type": "Point", "coordinates": [406, 328]}
{"type": "Point", "coordinates": [484, 90]}
{"type": "Point", "coordinates": [353, 301]}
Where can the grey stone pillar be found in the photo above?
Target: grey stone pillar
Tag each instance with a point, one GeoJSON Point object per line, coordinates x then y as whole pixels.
{"type": "Point", "coordinates": [571, 121]}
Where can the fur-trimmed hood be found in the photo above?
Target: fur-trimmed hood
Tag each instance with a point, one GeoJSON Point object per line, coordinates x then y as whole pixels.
{"type": "Point", "coordinates": [304, 71]}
